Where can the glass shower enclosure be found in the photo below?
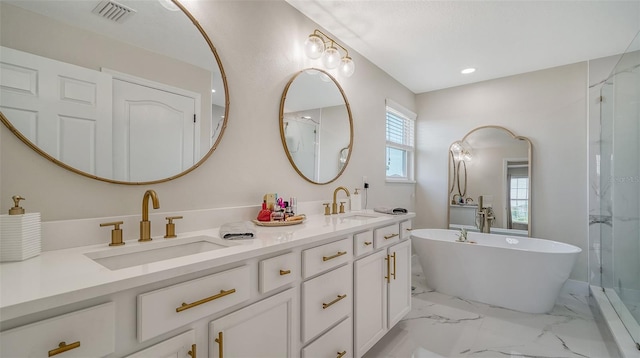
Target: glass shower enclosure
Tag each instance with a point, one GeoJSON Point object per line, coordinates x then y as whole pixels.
{"type": "Point", "coordinates": [620, 188]}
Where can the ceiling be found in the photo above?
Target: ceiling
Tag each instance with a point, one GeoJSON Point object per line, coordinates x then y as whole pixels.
{"type": "Point", "coordinates": [425, 44]}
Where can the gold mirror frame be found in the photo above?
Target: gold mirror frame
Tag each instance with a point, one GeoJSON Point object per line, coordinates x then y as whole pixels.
{"type": "Point", "coordinates": [33, 146]}
{"type": "Point", "coordinates": [282, 127]}
{"type": "Point", "coordinates": [455, 174]}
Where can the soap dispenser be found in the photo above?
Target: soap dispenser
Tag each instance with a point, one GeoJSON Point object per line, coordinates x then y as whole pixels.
{"type": "Point", "coordinates": [20, 233]}
{"type": "Point", "coordinates": [356, 201]}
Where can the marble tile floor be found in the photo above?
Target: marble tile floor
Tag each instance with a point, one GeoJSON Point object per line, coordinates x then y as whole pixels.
{"type": "Point", "coordinates": [445, 326]}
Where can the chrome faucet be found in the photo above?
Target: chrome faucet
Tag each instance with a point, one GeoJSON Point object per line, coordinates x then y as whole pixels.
{"type": "Point", "coordinates": [145, 224]}
{"type": "Point", "coordinates": [463, 235]}
{"type": "Point", "coordinates": [334, 206]}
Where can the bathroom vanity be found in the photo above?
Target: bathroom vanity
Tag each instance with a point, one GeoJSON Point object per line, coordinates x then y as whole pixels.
{"type": "Point", "coordinates": [331, 287]}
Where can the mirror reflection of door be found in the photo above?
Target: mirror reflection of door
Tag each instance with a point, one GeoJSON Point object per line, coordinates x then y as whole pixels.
{"type": "Point", "coordinates": [517, 194]}
{"type": "Point", "coordinates": [301, 133]}
{"type": "Point", "coordinates": [153, 126]}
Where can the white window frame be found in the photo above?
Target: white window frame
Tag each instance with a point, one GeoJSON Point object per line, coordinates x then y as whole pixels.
{"type": "Point", "coordinates": [409, 148]}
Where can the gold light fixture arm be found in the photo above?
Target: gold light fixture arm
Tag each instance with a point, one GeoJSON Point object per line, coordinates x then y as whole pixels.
{"type": "Point", "coordinates": [333, 42]}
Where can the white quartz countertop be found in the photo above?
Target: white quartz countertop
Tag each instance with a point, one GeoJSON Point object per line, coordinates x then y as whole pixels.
{"type": "Point", "coordinates": [66, 276]}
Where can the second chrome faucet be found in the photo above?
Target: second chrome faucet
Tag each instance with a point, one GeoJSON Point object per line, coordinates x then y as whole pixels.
{"type": "Point", "coordinates": [145, 224]}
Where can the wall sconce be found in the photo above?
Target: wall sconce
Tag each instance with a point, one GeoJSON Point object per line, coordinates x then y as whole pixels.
{"type": "Point", "coordinates": [316, 46]}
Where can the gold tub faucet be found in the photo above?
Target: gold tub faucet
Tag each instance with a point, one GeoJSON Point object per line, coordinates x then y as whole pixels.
{"type": "Point", "coordinates": [334, 206]}
{"type": "Point", "coordinates": [145, 224]}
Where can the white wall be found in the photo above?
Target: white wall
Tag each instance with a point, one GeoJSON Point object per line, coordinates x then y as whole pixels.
{"type": "Point", "coordinates": [549, 107]}
{"type": "Point", "coordinates": [260, 45]}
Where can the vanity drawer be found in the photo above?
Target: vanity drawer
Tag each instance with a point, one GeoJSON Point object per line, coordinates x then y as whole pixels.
{"type": "Point", "coordinates": [405, 229]}
{"type": "Point", "coordinates": [85, 333]}
{"type": "Point", "coordinates": [363, 243]}
{"type": "Point", "coordinates": [278, 271]}
{"type": "Point", "coordinates": [335, 343]}
{"type": "Point", "coordinates": [325, 257]}
{"type": "Point", "coordinates": [326, 299]}
{"type": "Point", "coordinates": [168, 308]}
{"type": "Point", "coordinates": [387, 235]}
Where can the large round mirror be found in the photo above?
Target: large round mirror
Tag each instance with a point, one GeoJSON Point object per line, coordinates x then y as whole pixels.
{"type": "Point", "coordinates": [125, 91]}
{"type": "Point", "coordinates": [493, 170]}
{"type": "Point", "coordinates": [316, 127]}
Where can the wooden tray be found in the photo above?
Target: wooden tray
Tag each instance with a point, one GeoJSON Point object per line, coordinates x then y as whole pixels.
{"type": "Point", "coordinates": [277, 223]}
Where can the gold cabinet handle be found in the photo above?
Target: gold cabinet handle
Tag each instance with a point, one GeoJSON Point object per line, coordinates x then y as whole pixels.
{"type": "Point", "coordinates": [327, 258]}
{"type": "Point", "coordinates": [192, 352]}
{"type": "Point", "coordinates": [284, 272]}
{"type": "Point", "coordinates": [341, 354]}
{"type": "Point", "coordinates": [63, 347]}
{"type": "Point", "coordinates": [394, 265]}
{"type": "Point", "coordinates": [326, 305]}
{"type": "Point", "coordinates": [219, 341]}
{"type": "Point", "coordinates": [388, 276]}
{"type": "Point", "coordinates": [186, 306]}
{"type": "Point", "coordinates": [387, 237]}
{"type": "Point", "coordinates": [367, 243]}
{"type": "Point", "coordinates": [408, 229]}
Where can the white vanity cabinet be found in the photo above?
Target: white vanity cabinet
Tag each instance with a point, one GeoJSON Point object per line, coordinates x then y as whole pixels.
{"type": "Point", "coordinates": [267, 328]}
{"type": "Point", "coordinates": [84, 333]}
{"type": "Point", "coordinates": [382, 288]}
{"type": "Point", "coordinates": [182, 345]}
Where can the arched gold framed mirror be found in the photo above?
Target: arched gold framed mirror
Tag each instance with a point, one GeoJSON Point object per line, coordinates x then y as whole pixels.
{"type": "Point", "coordinates": [137, 98]}
{"type": "Point", "coordinates": [316, 126]}
{"type": "Point", "coordinates": [496, 164]}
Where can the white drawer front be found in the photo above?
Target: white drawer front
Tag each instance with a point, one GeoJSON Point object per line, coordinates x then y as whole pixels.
{"type": "Point", "coordinates": [178, 346]}
{"type": "Point", "coordinates": [405, 229]}
{"type": "Point", "coordinates": [162, 310]}
{"type": "Point", "coordinates": [278, 271]}
{"type": "Point", "coordinates": [363, 243]}
{"type": "Point", "coordinates": [387, 235]}
{"type": "Point", "coordinates": [325, 300]}
{"type": "Point", "coordinates": [325, 257]}
{"type": "Point", "coordinates": [335, 343]}
{"type": "Point", "coordinates": [92, 330]}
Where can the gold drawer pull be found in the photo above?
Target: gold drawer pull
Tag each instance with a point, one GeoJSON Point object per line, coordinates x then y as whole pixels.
{"type": "Point", "coordinates": [327, 258]}
{"type": "Point", "coordinates": [192, 352]}
{"type": "Point", "coordinates": [408, 229]}
{"type": "Point", "coordinates": [394, 266]}
{"type": "Point", "coordinates": [63, 347]}
{"type": "Point", "coordinates": [367, 243]}
{"type": "Point", "coordinates": [326, 305]}
{"type": "Point", "coordinates": [388, 277]}
{"type": "Point", "coordinates": [219, 341]}
{"type": "Point", "coordinates": [387, 237]}
{"type": "Point", "coordinates": [186, 306]}
{"type": "Point", "coordinates": [284, 272]}
{"type": "Point", "coordinates": [340, 354]}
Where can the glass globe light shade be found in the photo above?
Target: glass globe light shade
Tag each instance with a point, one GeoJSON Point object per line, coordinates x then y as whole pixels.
{"type": "Point", "coordinates": [347, 66]}
{"type": "Point", "coordinates": [331, 58]}
{"type": "Point", "coordinates": [314, 46]}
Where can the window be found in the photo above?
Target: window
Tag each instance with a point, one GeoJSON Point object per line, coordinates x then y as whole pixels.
{"type": "Point", "coordinates": [519, 198]}
{"type": "Point", "coordinates": [400, 143]}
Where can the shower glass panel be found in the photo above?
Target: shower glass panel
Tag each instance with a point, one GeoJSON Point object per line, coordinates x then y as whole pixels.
{"type": "Point", "coordinates": [620, 186]}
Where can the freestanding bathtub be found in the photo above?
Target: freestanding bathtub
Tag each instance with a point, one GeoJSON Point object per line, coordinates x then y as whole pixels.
{"type": "Point", "coordinates": [522, 274]}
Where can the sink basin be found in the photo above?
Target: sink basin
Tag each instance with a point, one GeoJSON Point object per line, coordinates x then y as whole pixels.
{"type": "Point", "coordinates": [144, 253]}
{"type": "Point", "coordinates": [360, 217]}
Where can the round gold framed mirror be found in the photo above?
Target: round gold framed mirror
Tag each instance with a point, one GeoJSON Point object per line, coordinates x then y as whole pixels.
{"type": "Point", "coordinates": [316, 126]}
{"type": "Point", "coordinates": [146, 104]}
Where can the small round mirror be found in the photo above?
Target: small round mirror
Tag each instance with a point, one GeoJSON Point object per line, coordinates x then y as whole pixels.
{"type": "Point", "coordinates": [316, 127]}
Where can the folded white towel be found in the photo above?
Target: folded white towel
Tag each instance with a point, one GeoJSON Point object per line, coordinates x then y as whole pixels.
{"type": "Point", "coordinates": [237, 230]}
{"type": "Point", "coordinates": [391, 211]}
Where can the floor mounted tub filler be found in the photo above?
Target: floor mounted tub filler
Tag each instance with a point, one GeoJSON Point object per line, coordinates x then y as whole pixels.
{"type": "Point", "coordinates": [523, 274]}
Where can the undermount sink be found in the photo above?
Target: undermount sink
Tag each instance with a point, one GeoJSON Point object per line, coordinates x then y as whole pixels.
{"type": "Point", "coordinates": [360, 217]}
{"type": "Point", "coordinates": [145, 253]}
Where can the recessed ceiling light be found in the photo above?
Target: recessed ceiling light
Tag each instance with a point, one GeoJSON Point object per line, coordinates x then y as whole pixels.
{"type": "Point", "coordinates": [467, 71]}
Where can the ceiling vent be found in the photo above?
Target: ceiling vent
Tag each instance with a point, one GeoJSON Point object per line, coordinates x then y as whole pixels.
{"type": "Point", "coordinates": [113, 11]}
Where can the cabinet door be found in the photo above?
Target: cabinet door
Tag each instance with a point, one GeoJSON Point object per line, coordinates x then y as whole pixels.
{"type": "Point", "coordinates": [400, 283]}
{"type": "Point", "coordinates": [180, 346]}
{"type": "Point", "coordinates": [264, 329]}
{"type": "Point", "coordinates": [370, 308]}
